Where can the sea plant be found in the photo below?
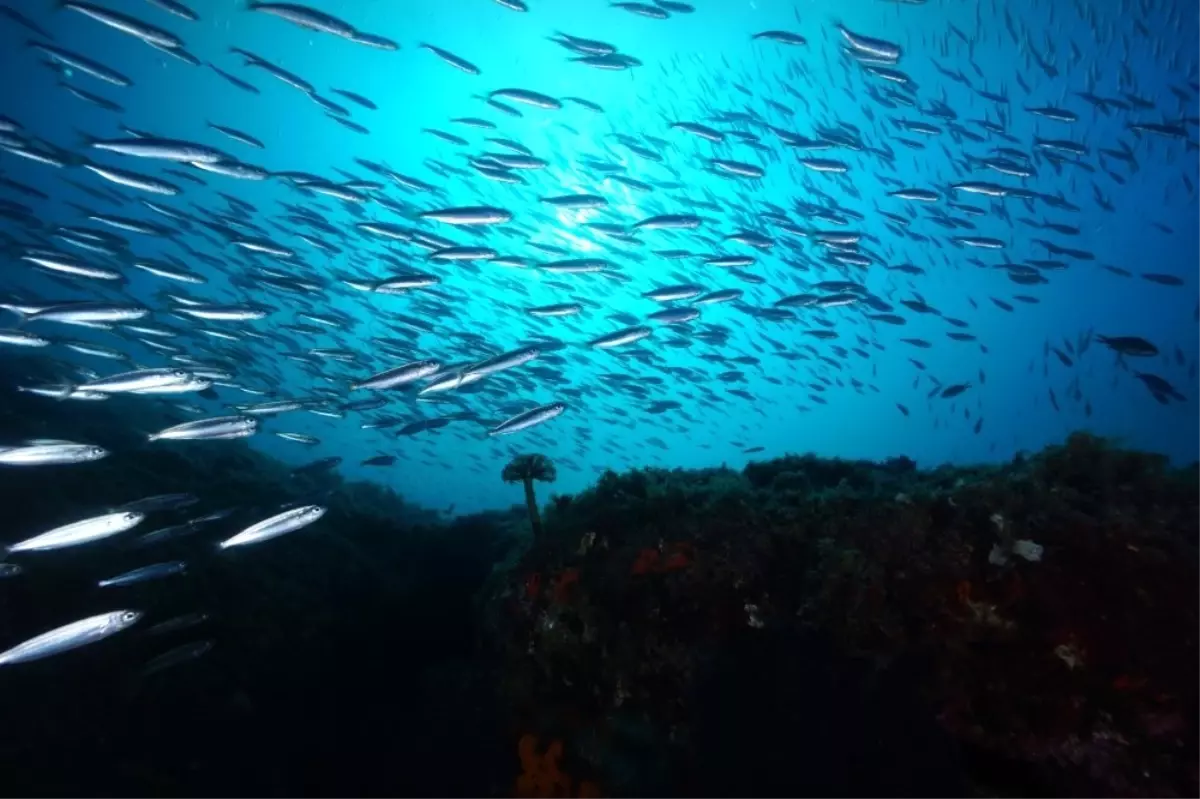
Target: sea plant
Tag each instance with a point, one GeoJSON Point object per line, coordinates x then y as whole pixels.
{"type": "Point", "coordinates": [525, 469]}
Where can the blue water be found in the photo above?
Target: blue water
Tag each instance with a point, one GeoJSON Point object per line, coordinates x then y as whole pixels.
{"type": "Point", "coordinates": [697, 67]}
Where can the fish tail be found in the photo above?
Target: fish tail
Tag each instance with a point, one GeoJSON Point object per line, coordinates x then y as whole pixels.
{"type": "Point", "coordinates": [85, 139]}
{"type": "Point", "coordinates": [22, 317]}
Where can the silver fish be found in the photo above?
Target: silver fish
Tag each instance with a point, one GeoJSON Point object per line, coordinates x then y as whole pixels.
{"type": "Point", "coordinates": [277, 525]}
{"type": "Point", "coordinates": [528, 419]}
{"type": "Point", "coordinates": [86, 313]}
{"type": "Point", "coordinates": [126, 24]}
{"type": "Point", "coordinates": [161, 149]}
{"type": "Point", "coordinates": [215, 428]}
{"type": "Point", "coordinates": [307, 18]}
{"type": "Point", "coordinates": [83, 64]}
{"type": "Point", "coordinates": [151, 572]}
{"type": "Point", "coordinates": [621, 337]}
{"type": "Point", "coordinates": [139, 380]}
{"type": "Point", "coordinates": [448, 381]}
{"type": "Point", "coordinates": [472, 215]}
{"type": "Point", "coordinates": [70, 636]}
{"type": "Point", "coordinates": [81, 532]}
{"type": "Point", "coordinates": [21, 338]}
{"type": "Point", "coordinates": [508, 360]}
{"type": "Point", "coordinates": [134, 180]}
{"type": "Point", "coordinates": [225, 312]}
{"type": "Point", "coordinates": [56, 262]}
{"type": "Point", "coordinates": [51, 453]}
{"type": "Point", "coordinates": [162, 502]}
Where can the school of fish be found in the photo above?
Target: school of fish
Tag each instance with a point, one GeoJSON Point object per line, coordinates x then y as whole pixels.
{"type": "Point", "coordinates": [628, 271]}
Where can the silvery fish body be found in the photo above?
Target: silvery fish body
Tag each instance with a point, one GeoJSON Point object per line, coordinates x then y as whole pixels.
{"type": "Point", "coordinates": [216, 428]}
{"type": "Point", "coordinates": [277, 525]}
{"type": "Point", "coordinates": [81, 532]}
{"type": "Point", "coordinates": [70, 636]}
{"type": "Point", "coordinates": [151, 572]}
{"type": "Point", "coordinates": [51, 453]}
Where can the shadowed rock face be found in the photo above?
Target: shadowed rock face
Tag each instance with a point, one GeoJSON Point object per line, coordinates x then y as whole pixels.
{"type": "Point", "coordinates": [780, 713]}
{"type": "Point", "coordinates": [694, 632]}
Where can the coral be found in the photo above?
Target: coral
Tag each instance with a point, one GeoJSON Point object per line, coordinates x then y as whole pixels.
{"type": "Point", "coordinates": [647, 561]}
{"type": "Point", "coordinates": [564, 583]}
{"type": "Point", "coordinates": [540, 775]}
{"type": "Point", "coordinates": [678, 555]}
{"type": "Point", "coordinates": [589, 790]}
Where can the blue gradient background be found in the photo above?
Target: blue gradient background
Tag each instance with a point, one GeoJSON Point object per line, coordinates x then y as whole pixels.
{"type": "Point", "coordinates": [691, 64]}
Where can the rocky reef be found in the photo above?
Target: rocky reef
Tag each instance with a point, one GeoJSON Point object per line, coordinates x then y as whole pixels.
{"type": "Point", "coordinates": [811, 626]}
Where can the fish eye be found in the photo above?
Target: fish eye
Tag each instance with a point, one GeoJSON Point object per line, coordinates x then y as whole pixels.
{"type": "Point", "coordinates": [129, 615]}
{"type": "Point", "coordinates": [131, 516]}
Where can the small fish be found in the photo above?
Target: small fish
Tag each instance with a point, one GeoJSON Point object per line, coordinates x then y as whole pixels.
{"type": "Point", "coordinates": [50, 453]}
{"type": "Point", "coordinates": [306, 17]}
{"type": "Point", "coordinates": [1134, 346]}
{"type": "Point", "coordinates": [71, 636]}
{"type": "Point", "coordinates": [452, 59]}
{"type": "Point", "coordinates": [530, 418]}
{"type": "Point", "coordinates": [178, 623]}
{"type": "Point", "coordinates": [621, 337]}
{"type": "Point", "coordinates": [277, 525]}
{"type": "Point", "coordinates": [161, 502]}
{"type": "Point", "coordinates": [783, 37]}
{"type": "Point", "coordinates": [356, 98]}
{"type": "Point", "coordinates": [400, 375]}
{"type": "Point", "coordinates": [161, 149]}
{"type": "Point", "coordinates": [23, 338]}
{"type": "Point", "coordinates": [474, 215]}
{"type": "Point", "coordinates": [184, 653]}
{"type": "Point", "coordinates": [301, 438]}
{"type": "Point", "coordinates": [126, 24]}
{"type": "Point", "coordinates": [81, 532]}
{"type": "Point", "coordinates": [151, 572]}
{"type": "Point", "coordinates": [215, 429]}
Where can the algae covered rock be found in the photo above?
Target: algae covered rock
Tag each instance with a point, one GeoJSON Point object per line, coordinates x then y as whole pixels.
{"type": "Point", "coordinates": [1066, 667]}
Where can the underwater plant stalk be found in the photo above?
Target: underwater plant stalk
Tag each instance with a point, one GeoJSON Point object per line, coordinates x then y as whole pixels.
{"type": "Point", "coordinates": [535, 518]}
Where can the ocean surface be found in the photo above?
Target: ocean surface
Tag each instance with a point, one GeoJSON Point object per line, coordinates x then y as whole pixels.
{"type": "Point", "coordinates": [679, 235]}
